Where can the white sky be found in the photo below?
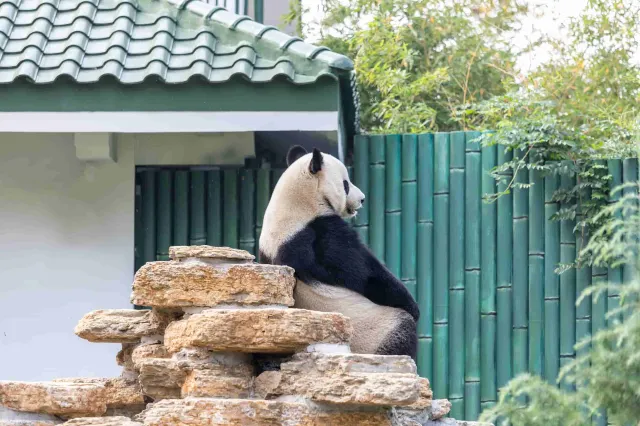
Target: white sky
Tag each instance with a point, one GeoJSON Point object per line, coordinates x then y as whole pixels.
{"type": "Point", "coordinates": [556, 13]}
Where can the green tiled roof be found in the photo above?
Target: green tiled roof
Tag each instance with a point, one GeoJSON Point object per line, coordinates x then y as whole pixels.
{"type": "Point", "coordinates": [173, 40]}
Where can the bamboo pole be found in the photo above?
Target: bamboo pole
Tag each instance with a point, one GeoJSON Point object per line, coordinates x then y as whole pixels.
{"type": "Point", "coordinates": [504, 276]}
{"type": "Point", "coordinates": [425, 264]}
{"type": "Point", "coordinates": [472, 210]}
{"type": "Point", "coordinates": [148, 214]}
{"type": "Point", "coordinates": [615, 274]}
{"type": "Point", "coordinates": [377, 196]}
{"type": "Point", "coordinates": [214, 208]}
{"type": "Point", "coordinates": [181, 208]}
{"type": "Point", "coordinates": [551, 282]}
{"type": "Point", "coordinates": [275, 177]}
{"type": "Point", "coordinates": [488, 391]}
{"type": "Point", "coordinates": [629, 175]}
{"type": "Point", "coordinates": [456, 273]}
{"type": "Point", "coordinates": [520, 271]}
{"type": "Point", "coordinates": [567, 284]}
{"type": "Point", "coordinates": [164, 228]}
{"type": "Point", "coordinates": [536, 271]}
{"type": "Point", "coordinates": [230, 208]}
{"type": "Point", "coordinates": [598, 323]}
{"type": "Point", "coordinates": [409, 212]}
{"type": "Point", "coordinates": [263, 184]}
{"type": "Point", "coordinates": [393, 204]}
{"type": "Point", "coordinates": [247, 210]}
{"type": "Point", "coordinates": [583, 280]}
{"type": "Point", "coordinates": [361, 180]}
{"type": "Point", "coordinates": [441, 266]}
{"type": "Point", "coordinates": [197, 209]}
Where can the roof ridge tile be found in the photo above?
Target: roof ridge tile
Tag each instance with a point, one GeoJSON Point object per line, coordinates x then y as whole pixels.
{"type": "Point", "coordinates": [236, 22]}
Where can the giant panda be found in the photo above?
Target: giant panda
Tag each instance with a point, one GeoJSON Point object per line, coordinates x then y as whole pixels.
{"type": "Point", "coordinates": [304, 227]}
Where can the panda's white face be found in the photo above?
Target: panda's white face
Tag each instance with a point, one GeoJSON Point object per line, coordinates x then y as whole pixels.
{"type": "Point", "coordinates": [326, 180]}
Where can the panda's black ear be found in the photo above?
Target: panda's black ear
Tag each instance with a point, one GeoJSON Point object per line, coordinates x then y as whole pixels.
{"type": "Point", "coordinates": [316, 162]}
{"type": "Point", "coordinates": [294, 153]}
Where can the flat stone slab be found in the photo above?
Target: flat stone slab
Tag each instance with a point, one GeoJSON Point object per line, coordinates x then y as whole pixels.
{"type": "Point", "coordinates": [426, 396]}
{"type": "Point", "coordinates": [18, 418]}
{"type": "Point", "coordinates": [257, 330]}
{"type": "Point", "coordinates": [118, 393]}
{"type": "Point", "coordinates": [142, 352]}
{"type": "Point", "coordinates": [121, 325]}
{"type": "Point", "coordinates": [199, 284]}
{"type": "Point", "coordinates": [210, 252]}
{"type": "Point", "coordinates": [243, 412]}
{"type": "Point", "coordinates": [213, 383]}
{"type": "Point", "coordinates": [344, 379]}
{"type": "Point", "coordinates": [56, 398]}
{"type": "Point", "coordinates": [102, 421]}
{"type": "Point", "coordinates": [432, 415]}
{"type": "Point", "coordinates": [161, 378]}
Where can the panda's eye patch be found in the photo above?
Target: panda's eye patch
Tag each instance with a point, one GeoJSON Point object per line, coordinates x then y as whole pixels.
{"type": "Point", "coordinates": [346, 186]}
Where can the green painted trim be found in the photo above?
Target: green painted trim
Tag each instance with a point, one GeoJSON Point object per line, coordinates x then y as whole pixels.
{"type": "Point", "coordinates": [258, 10]}
{"type": "Point", "coordinates": [64, 96]}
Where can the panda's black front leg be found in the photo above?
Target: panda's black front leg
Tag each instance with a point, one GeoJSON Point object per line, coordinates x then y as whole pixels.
{"type": "Point", "coordinates": [385, 289]}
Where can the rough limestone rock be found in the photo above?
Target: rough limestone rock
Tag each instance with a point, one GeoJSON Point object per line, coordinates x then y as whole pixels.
{"type": "Point", "coordinates": [118, 393]}
{"type": "Point", "coordinates": [196, 283]}
{"type": "Point", "coordinates": [124, 356]}
{"type": "Point", "coordinates": [257, 330]}
{"type": "Point", "coordinates": [161, 378]}
{"type": "Point", "coordinates": [142, 352]}
{"type": "Point", "coordinates": [102, 421]}
{"type": "Point", "coordinates": [18, 418]}
{"type": "Point", "coordinates": [208, 252]}
{"type": "Point", "coordinates": [57, 398]}
{"type": "Point", "coordinates": [121, 325]}
{"type": "Point", "coordinates": [439, 408]}
{"type": "Point", "coordinates": [432, 416]}
{"type": "Point", "coordinates": [212, 383]}
{"type": "Point", "coordinates": [344, 379]}
{"type": "Point", "coordinates": [425, 398]}
{"type": "Point", "coordinates": [243, 412]}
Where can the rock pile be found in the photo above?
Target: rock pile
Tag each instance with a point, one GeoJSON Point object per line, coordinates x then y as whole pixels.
{"type": "Point", "coordinates": [189, 359]}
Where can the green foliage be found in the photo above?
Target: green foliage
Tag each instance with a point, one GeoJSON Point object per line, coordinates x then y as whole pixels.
{"type": "Point", "coordinates": [611, 244]}
{"type": "Point", "coordinates": [526, 124]}
{"type": "Point", "coordinates": [547, 405]}
{"type": "Point", "coordinates": [418, 60]}
{"type": "Point", "coordinates": [607, 375]}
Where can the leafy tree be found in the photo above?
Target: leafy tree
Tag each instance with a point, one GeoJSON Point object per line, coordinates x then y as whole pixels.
{"type": "Point", "coordinates": [418, 60]}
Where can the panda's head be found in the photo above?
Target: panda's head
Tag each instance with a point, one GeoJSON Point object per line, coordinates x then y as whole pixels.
{"type": "Point", "coordinates": [322, 181]}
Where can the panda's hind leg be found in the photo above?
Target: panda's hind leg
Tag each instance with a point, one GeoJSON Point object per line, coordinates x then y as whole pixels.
{"type": "Point", "coordinates": [402, 340]}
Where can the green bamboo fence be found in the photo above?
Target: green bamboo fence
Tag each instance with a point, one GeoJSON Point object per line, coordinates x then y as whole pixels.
{"type": "Point", "coordinates": [551, 281]}
{"type": "Point", "coordinates": [472, 257]}
{"type": "Point", "coordinates": [482, 273]}
{"type": "Point", "coordinates": [520, 271]}
{"type": "Point", "coordinates": [488, 284]}
{"type": "Point", "coordinates": [456, 273]}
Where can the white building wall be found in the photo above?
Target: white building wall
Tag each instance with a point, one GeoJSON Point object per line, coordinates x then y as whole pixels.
{"type": "Point", "coordinates": [66, 243]}
{"type": "Point", "coordinates": [66, 249]}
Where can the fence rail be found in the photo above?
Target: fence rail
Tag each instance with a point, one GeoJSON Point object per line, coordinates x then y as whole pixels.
{"type": "Point", "coordinates": [483, 273]}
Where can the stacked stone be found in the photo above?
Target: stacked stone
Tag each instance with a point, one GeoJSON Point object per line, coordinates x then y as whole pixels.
{"type": "Point", "coordinates": [189, 359]}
